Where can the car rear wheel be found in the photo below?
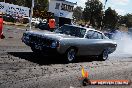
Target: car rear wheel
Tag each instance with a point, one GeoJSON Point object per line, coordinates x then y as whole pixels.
{"type": "Point", "coordinates": [70, 55]}
{"type": "Point", "coordinates": [104, 55]}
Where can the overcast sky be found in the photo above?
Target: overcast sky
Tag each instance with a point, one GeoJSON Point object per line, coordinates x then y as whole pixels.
{"type": "Point", "coordinates": [121, 6]}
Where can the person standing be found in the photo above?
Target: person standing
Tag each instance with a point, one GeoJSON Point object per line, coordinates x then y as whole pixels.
{"type": "Point", "coordinates": [1, 28]}
{"type": "Point", "coordinates": [51, 24]}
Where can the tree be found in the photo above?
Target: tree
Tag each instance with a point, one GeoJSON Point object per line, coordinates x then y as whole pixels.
{"type": "Point", "coordinates": [16, 2]}
{"type": "Point", "coordinates": [77, 13]}
{"type": "Point", "coordinates": [127, 20]}
{"type": "Point", "coordinates": [93, 12]}
{"type": "Point", "coordinates": [110, 19]}
{"type": "Point", "coordinates": [40, 8]}
{"type": "Point", "coordinates": [26, 3]}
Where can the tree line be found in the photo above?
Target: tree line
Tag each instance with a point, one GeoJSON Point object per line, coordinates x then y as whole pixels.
{"type": "Point", "coordinates": [94, 15]}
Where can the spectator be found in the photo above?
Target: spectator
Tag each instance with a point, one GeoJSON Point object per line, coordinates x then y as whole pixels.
{"type": "Point", "coordinates": [1, 28]}
{"type": "Point", "coordinates": [51, 24]}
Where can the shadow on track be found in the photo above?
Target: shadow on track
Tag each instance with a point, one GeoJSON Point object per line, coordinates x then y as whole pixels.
{"type": "Point", "coordinates": [43, 59]}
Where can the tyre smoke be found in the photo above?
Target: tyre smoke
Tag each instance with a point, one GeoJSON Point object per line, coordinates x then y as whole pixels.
{"type": "Point", "coordinates": [124, 44]}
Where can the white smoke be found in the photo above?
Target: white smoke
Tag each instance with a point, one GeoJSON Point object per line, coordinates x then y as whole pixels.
{"type": "Point", "coordinates": [124, 44]}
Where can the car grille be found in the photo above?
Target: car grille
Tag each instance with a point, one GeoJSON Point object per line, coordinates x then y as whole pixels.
{"type": "Point", "coordinates": [36, 39]}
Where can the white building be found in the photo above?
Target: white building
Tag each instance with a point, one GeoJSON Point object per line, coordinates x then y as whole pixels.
{"type": "Point", "coordinates": [62, 10]}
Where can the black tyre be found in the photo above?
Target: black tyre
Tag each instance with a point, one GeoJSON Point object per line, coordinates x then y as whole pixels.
{"type": "Point", "coordinates": [71, 55]}
{"type": "Point", "coordinates": [104, 55]}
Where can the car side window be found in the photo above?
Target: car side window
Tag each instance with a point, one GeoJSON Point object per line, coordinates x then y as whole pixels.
{"type": "Point", "coordinates": [80, 32]}
{"type": "Point", "coordinates": [89, 34]}
{"type": "Point", "coordinates": [100, 36]}
{"type": "Point", "coordinates": [94, 35]}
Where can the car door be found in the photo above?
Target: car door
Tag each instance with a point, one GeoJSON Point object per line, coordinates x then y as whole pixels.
{"type": "Point", "coordinates": [94, 42]}
{"type": "Point", "coordinates": [87, 46]}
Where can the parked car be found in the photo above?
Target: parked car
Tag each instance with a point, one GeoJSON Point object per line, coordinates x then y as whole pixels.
{"type": "Point", "coordinates": [35, 21]}
{"type": "Point", "coordinates": [9, 18]}
{"type": "Point", "coordinates": [25, 20]}
{"type": "Point", "coordinates": [70, 41]}
{"type": "Point", "coordinates": [42, 26]}
{"type": "Point", "coordinates": [130, 31]}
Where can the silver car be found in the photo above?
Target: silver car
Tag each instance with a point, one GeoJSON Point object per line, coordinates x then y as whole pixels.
{"type": "Point", "coordinates": [70, 41]}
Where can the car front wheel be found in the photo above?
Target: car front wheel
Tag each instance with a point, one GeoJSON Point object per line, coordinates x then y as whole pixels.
{"type": "Point", "coordinates": [71, 55]}
{"type": "Point", "coordinates": [104, 55]}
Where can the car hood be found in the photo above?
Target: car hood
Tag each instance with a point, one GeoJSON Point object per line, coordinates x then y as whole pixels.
{"type": "Point", "coordinates": [59, 36]}
{"type": "Point", "coordinates": [51, 35]}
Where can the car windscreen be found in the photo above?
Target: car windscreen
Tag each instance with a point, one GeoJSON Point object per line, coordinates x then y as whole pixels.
{"type": "Point", "coordinates": [70, 30]}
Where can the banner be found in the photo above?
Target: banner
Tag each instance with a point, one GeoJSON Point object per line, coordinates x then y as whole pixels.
{"type": "Point", "coordinates": [2, 7]}
{"type": "Point", "coordinates": [14, 9]}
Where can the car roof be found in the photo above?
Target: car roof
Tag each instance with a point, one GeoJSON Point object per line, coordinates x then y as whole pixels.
{"type": "Point", "coordinates": [76, 26]}
{"type": "Point", "coordinates": [84, 28]}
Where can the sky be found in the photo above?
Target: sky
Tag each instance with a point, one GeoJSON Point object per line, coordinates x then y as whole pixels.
{"type": "Point", "coordinates": [122, 7]}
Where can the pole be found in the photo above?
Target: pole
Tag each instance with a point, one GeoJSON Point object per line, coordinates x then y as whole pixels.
{"type": "Point", "coordinates": [31, 14]}
{"type": "Point", "coordinates": [103, 15]}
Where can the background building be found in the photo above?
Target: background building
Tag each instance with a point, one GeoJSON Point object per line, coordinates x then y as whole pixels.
{"type": "Point", "coordinates": [62, 10]}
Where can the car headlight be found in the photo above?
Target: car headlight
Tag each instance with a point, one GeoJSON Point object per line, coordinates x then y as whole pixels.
{"type": "Point", "coordinates": [54, 44]}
